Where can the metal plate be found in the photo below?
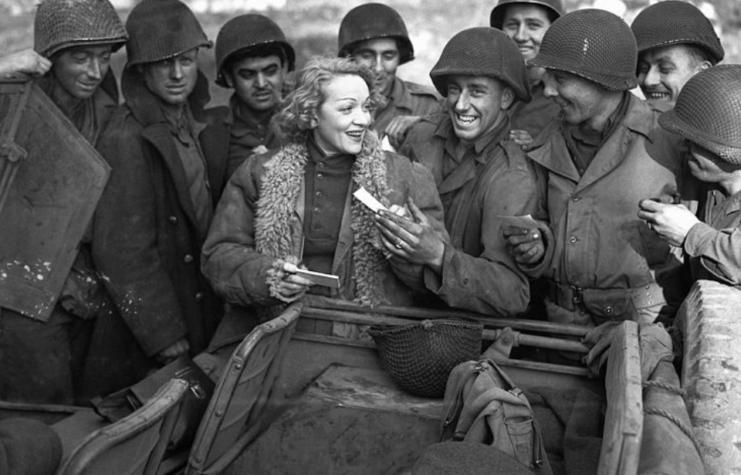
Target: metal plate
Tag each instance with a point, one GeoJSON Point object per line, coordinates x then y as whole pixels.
{"type": "Point", "coordinates": [47, 198]}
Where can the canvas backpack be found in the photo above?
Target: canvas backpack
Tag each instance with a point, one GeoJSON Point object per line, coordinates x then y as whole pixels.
{"type": "Point", "coordinates": [483, 405]}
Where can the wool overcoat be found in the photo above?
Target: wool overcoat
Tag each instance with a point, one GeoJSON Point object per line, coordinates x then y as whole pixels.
{"type": "Point", "coordinates": [146, 242]}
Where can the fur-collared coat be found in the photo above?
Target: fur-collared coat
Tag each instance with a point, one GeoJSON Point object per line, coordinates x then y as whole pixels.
{"type": "Point", "coordinates": [249, 234]}
{"type": "Point", "coordinates": [146, 243]}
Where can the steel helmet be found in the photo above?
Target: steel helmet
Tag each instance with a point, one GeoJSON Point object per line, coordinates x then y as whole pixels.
{"type": "Point", "coordinates": [708, 111]}
{"type": "Point", "coordinates": [162, 29]}
{"type": "Point", "coordinates": [594, 44]}
{"type": "Point", "coordinates": [672, 22]}
{"type": "Point", "coordinates": [248, 31]}
{"type": "Point", "coordinates": [60, 24]}
{"type": "Point", "coordinates": [482, 51]}
{"type": "Point", "coordinates": [553, 7]}
{"type": "Point", "coordinates": [371, 21]}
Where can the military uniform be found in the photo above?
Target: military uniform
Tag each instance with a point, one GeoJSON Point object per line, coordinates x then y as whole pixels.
{"type": "Point", "coordinates": [40, 360]}
{"type": "Point", "coordinates": [407, 98]}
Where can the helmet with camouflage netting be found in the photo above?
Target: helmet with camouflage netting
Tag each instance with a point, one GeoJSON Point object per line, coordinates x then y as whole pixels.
{"type": "Point", "coordinates": [673, 22]}
{"type": "Point", "coordinates": [59, 24]}
{"type": "Point", "coordinates": [594, 44]}
{"type": "Point", "coordinates": [708, 112]}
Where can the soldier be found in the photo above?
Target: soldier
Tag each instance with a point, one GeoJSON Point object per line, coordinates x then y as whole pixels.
{"type": "Point", "coordinates": [169, 168]}
{"type": "Point", "coordinates": [607, 152]}
{"type": "Point", "coordinates": [254, 58]}
{"type": "Point", "coordinates": [376, 36]}
{"type": "Point", "coordinates": [675, 42]}
{"type": "Point", "coordinates": [526, 21]}
{"type": "Point", "coordinates": [707, 116]}
{"type": "Point", "coordinates": [480, 174]}
{"type": "Point", "coordinates": [77, 39]}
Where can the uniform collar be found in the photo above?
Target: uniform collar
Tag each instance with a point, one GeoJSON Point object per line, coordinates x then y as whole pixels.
{"type": "Point", "coordinates": [446, 131]}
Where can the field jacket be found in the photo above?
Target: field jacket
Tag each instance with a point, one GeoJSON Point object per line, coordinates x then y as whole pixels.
{"type": "Point", "coordinates": [713, 246]}
{"type": "Point", "coordinates": [601, 261]}
{"type": "Point", "coordinates": [407, 98]}
{"type": "Point", "coordinates": [478, 273]}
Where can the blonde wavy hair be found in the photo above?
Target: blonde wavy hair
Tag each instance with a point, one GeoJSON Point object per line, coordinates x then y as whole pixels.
{"type": "Point", "coordinates": [298, 109]}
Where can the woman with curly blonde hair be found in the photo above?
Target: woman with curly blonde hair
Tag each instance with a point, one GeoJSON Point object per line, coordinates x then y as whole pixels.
{"type": "Point", "coordinates": [294, 206]}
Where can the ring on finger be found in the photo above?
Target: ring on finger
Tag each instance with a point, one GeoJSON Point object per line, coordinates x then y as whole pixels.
{"type": "Point", "coordinates": [399, 244]}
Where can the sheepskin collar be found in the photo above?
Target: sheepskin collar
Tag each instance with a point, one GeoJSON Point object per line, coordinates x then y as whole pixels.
{"type": "Point", "coordinates": [280, 186]}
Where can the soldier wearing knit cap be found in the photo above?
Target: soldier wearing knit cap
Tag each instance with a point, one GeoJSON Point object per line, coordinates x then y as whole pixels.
{"type": "Point", "coordinates": [600, 262]}
{"type": "Point", "coordinates": [708, 116]}
{"type": "Point", "coordinates": [481, 176]}
{"type": "Point", "coordinates": [375, 35]}
{"type": "Point", "coordinates": [675, 42]}
{"type": "Point", "coordinates": [73, 43]}
{"type": "Point", "coordinates": [170, 168]}
{"type": "Point", "coordinates": [254, 58]}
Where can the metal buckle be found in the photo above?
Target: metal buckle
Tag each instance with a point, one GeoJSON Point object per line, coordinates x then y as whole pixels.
{"type": "Point", "coordinates": [577, 295]}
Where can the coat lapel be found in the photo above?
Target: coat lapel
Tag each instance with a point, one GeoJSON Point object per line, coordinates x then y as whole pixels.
{"type": "Point", "coordinates": [160, 137]}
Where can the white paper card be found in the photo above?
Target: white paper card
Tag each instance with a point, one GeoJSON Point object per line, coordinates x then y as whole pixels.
{"type": "Point", "coordinates": [368, 200]}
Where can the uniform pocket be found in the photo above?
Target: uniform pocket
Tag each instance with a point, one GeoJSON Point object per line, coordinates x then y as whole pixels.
{"type": "Point", "coordinates": [520, 433]}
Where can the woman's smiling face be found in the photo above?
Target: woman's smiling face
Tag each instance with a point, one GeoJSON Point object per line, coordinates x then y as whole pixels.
{"type": "Point", "coordinates": [344, 116]}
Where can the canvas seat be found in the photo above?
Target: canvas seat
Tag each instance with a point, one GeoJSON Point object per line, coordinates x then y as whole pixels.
{"type": "Point", "coordinates": [231, 419]}
{"type": "Point", "coordinates": [133, 445]}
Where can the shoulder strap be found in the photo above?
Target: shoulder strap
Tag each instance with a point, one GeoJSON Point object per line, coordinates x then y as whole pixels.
{"type": "Point", "coordinates": [461, 378]}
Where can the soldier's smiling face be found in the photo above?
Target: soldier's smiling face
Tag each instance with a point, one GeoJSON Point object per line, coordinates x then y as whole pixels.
{"type": "Point", "coordinates": [382, 56]}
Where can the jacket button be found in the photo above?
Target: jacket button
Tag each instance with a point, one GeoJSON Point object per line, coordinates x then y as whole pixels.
{"type": "Point", "coordinates": [199, 296]}
{"type": "Point", "coordinates": [574, 239]}
{"type": "Point", "coordinates": [608, 310]}
{"type": "Point", "coordinates": [188, 258]}
{"type": "Point", "coordinates": [575, 198]}
{"type": "Point", "coordinates": [173, 219]}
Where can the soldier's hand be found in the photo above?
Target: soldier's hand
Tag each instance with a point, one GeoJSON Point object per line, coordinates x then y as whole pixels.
{"type": "Point", "coordinates": [671, 222]}
{"type": "Point", "coordinates": [174, 351]}
{"type": "Point", "coordinates": [417, 240]}
{"type": "Point", "coordinates": [27, 62]}
{"type": "Point", "coordinates": [398, 128]}
{"type": "Point", "coordinates": [524, 245]}
{"type": "Point", "coordinates": [599, 341]}
{"type": "Point", "coordinates": [521, 137]}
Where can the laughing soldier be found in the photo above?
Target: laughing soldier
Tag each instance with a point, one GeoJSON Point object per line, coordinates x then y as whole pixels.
{"type": "Point", "coordinates": [600, 261]}
{"type": "Point", "coordinates": [480, 174]}
{"type": "Point", "coordinates": [675, 42]}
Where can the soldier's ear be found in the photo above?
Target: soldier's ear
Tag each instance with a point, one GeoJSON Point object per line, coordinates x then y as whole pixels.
{"type": "Point", "coordinates": [508, 97]}
{"type": "Point", "coordinates": [228, 79]}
